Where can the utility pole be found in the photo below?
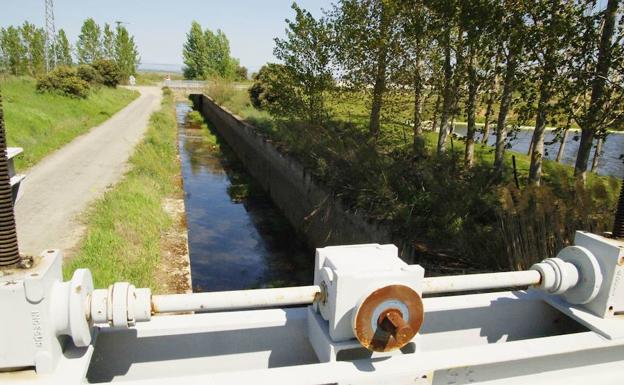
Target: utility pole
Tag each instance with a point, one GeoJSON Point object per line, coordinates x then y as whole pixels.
{"type": "Point", "coordinates": [50, 35]}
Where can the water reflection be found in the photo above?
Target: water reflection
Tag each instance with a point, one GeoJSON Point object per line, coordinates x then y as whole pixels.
{"type": "Point", "coordinates": [237, 237]}
{"type": "Point", "coordinates": [610, 163]}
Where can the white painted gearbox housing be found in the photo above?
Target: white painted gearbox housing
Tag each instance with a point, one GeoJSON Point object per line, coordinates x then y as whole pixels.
{"type": "Point", "coordinates": [346, 274]}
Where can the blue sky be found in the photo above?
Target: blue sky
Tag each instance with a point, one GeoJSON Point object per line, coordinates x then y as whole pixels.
{"type": "Point", "coordinates": [160, 26]}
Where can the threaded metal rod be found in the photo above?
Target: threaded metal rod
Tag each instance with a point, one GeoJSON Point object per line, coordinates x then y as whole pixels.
{"type": "Point", "coordinates": [9, 251]}
{"type": "Point", "coordinates": [618, 223]}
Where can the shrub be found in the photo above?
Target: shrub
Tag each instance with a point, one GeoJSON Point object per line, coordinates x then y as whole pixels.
{"type": "Point", "coordinates": [274, 90]}
{"type": "Point", "coordinates": [88, 74]}
{"type": "Point", "coordinates": [167, 91]}
{"type": "Point", "coordinates": [64, 80]}
{"type": "Point", "coordinates": [108, 72]}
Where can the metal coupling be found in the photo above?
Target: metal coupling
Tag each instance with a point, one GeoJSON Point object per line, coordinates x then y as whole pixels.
{"type": "Point", "coordinates": [557, 275]}
{"type": "Point", "coordinates": [121, 305]}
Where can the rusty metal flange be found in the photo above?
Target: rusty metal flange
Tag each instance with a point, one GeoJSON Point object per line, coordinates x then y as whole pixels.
{"type": "Point", "coordinates": [388, 318]}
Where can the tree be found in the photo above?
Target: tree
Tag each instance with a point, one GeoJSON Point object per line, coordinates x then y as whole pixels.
{"type": "Point", "coordinates": [13, 51]}
{"type": "Point", "coordinates": [195, 53]}
{"type": "Point", "coordinates": [108, 43]}
{"type": "Point", "coordinates": [594, 119]}
{"type": "Point", "coordinates": [476, 19]}
{"type": "Point", "coordinates": [63, 49]}
{"type": "Point", "coordinates": [220, 63]}
{"type": "Point", "coordinates": [552, 25]}
{"type": "Point", "coordinates": [89, 47]}
{"type": "Point", "coordinates": [34, 42]}
{"type": "Point", "coordinates": [368, 41]}
{"type": "Point", "coordinates": [126, 52]}
{"type": "Point", "coordinates": [306, 56]}
{"type": "Point", "coordinates": [207, 54]}
{"type": "Point", "coordinates": [446, 21]}
{"type": "Point", "coordinates": [415, 32]}
{"type": "Point", "coordinates": [511, 39]}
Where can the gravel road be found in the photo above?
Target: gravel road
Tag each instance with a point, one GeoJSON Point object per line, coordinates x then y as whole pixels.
{"type": "Point", "coordinates": [58, 189]}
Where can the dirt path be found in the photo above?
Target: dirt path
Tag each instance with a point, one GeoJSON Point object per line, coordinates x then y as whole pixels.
{"type": "Point", "coordinates": [60, 187]}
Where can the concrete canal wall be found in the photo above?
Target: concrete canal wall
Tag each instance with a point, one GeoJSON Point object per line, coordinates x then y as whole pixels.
{"type": "Point", "coordinates": [310, 207]}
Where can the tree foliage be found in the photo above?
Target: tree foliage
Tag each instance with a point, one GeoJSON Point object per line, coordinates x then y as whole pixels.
{"type": "Point", "coordinates": [89, 45]}
{"type": "Point", "coordinates": [306, 55]}
{"type": "Point", "coordinates": [63, 49]}
{"type": "Point", "coordinates": [126, 52]}
{"type": "Point", "coordinates": [207, 54]}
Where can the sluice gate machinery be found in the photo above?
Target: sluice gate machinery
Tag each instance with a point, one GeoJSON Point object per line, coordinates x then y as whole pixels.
{"type": "Point", "coordinates": [364, 320]}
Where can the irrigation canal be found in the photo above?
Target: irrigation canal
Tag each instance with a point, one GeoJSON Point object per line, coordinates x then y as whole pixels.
{"type": "Point", "coordinates": [237, 238]}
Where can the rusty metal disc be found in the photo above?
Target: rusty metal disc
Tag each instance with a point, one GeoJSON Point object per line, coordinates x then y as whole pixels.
{"type": "Point", "coordinates": [388, 318]}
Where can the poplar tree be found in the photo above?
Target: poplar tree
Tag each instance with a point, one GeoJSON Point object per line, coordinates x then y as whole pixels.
{"type": "Point", "coordinates": [553, 25]}
{"type": "Point", "coordinates": [126, 52]}
{"type": "Point", "coordinates": [511, 47]}
{"type": "Point", "coordinates": [416, 67]}
{"type": "Point", "coordinates": [367, 48]}
{"type": "Point", "coordinates": [63, 49]}
{"type": "Point", "coordinates": [600, 111]}
{"type": "Point", "coordinates": [13, 51]}
{"type": "Point", "coordinates": [108, 42]}
{"type": "Point", "coordinates": [306, 54]}
{"type": "Point", "coordinates": [34, 43]}
{"type": "Point", "coordinates": [195, 53]}
{"type": "Point", "coordinates": [89, 45]}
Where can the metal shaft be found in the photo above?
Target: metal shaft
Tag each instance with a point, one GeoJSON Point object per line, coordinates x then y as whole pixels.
{"type": "Point", "coordinates": [233, 300]}
{"type": "Point", "coordinates": [618, 223]}
{"type": "Point", "coordinates": [305, 295]}
{"type": "Point", "coordinates": [9, 251]}
{"type": "Point", "coordinates": [455, 283]}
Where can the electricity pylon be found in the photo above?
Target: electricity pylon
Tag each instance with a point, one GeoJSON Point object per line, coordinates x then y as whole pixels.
{"type": "Point", "coordinates": [50, 45]}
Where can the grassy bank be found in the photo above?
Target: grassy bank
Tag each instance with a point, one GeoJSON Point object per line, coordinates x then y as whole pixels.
{"type": "Point", "coordinates": [453, 215]}
{"type": "Point", "coordinates": [124, 238]}
{"type": "Point", "coordinates": [42, 122]}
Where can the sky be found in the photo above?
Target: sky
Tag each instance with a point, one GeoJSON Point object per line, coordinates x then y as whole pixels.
{"type": "Point", "coordinates": [160, 26]}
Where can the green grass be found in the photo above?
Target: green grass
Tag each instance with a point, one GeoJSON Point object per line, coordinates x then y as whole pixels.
{"type": "Point", "coordinates": [124, 228]}
{"type": "Point", "coordinates": [152, 78]}
{"type": "Point", "coordinates": [43, 122]}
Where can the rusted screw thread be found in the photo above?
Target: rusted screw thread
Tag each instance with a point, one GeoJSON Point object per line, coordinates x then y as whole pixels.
{"type": "Point", "coordinates": [9, 252]}
{"type": "Point", "coordinates": [392, 322]}
{"type": "Point", "coordinates": [618, 223]}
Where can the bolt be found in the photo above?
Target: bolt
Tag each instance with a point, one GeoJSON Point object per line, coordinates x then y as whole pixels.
{"type": "Point", "coordinates": [392, 321]}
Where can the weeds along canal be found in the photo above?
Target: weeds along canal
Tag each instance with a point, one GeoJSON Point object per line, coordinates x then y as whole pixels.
{"type": "Point", "coordinates": [238, 239]}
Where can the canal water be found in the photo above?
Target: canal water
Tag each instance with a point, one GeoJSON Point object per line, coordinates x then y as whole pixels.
{"type": "Point", "coordinates": [610, 163]}
{"type": "Point", "coordinates": [238, 239]}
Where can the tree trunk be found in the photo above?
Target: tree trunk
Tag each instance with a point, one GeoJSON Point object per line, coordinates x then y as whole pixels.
{"type": "Point", "coordinates": [537, 153]}
{"type": "Point", "coordinates": [378, 91]}
{"type": "Point", "coordinates": [436, 110]}
{"type": "Point", "coordinates": [447, 102]}
{"type": "Point", "coordinates": [380, 77]}
{"type": "Point", "coordinates": [470, 110]}
{"type": "Point", "coordinates": [596, 103]}
{"type": "Point", "coordinates": [418, 139]}
{"type": "Point", "coordinates": [488, 115]}
{"type": "Point", "coordinates": [597, 153]}
{"type": "Point", "coordinates": [564, 139]}
{"type": "Point", "coordinates": [505, 105]}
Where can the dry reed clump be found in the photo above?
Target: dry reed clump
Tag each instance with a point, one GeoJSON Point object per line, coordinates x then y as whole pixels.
{"type": "Point", "coordinates": [536, 222]}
